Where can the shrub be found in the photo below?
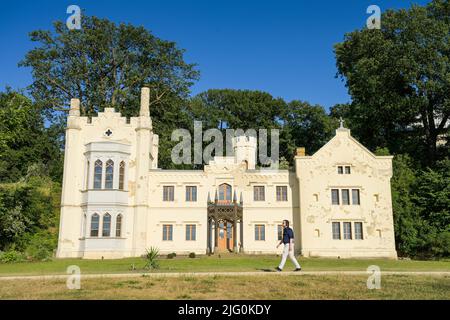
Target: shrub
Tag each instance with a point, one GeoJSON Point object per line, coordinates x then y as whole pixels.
{"type": "Point", "coordinates": [192, 255]}
{"type": "Point", "coordinates": [170, 256]}
{"type": "Point", "coordinates": [151, 258]}
{"type": "Point", "coordinates": [11, 256]}
{"type": "Point", "coordinates": [41, 246]}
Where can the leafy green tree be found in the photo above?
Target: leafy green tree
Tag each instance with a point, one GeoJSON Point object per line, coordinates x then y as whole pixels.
{"type": "Point", "coordinates": [105, 65]}
{"type": "Point", "coordinates": [308, 126]}
{"type": "Point", "coordinates": [24, 140]}
{"type": "Point", "coordinates": [399, 79]}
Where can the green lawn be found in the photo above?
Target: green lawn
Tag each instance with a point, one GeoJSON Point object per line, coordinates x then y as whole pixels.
{"type": "Point", "coordinates": [214, 263]}
{"type": "Point", "coordinates": [340, 287]}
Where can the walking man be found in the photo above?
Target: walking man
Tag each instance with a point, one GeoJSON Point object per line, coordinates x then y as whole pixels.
{"type": "Point", "coordinates": [288, 243]}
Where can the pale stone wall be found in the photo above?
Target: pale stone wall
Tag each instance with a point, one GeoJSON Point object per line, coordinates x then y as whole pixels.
{"type": "Point", "coordinates": [371, 175]}
{"type": "Point", "coordinates": [143, 211]}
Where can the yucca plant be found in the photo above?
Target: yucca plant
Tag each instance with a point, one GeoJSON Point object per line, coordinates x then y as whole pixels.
{"type": "Point", "coordinates": [151, 258]}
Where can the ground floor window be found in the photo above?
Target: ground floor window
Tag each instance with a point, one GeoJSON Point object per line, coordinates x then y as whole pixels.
{"type": "Point", "coordinates": [280, 232]}
{"type": "Point", "coordinates": [167, 232]}
{"type": "Point", "coordinates": [260, 232]}
{"type": "Point", "coordinates": [347, 230]}
{"type": "Point", "coordinates": [95, 221]}
{"type": "Point", "coordinates": [358, 231]}
{"type": "Point", "coordinates": [336, 230]}
{"type": "Point", "coordinates": [190, 232]}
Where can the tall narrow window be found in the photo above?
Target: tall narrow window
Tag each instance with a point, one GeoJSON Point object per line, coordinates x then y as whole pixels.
{"type": "Point", "coordinates": [95, 220]}
{"type": "Point", "coordinates": [280, 232]}
{"type": "Point", "coordinates": [119, 226]}
{"type": "Point", "coordinates": [282, 193]}
{"type": "Point", "coordinates": [355, 197]}
{"type": "Point", "coordinates": [347, 231]}
{"type": "Point", "coordinates": [98, 174]}
{"type": "Point", "coordinates": [168, 193]}
{"type": "Point", "coordinates": [260, 232]}
{"type": "Point", "coordinates": [335, 196]}
{"type": "Point", "coordinates": [358, 231]}
{"type": "Point", "coordinates": [340, 170]}
{"type": "Point", "coordinates": [106, 230]}
{"type": "Point", "coordinates": [336, 230]}
{"type": "Point", "coordinates": [167, 232]}
{"type": "Point", "coordinates": [258, 193]}
{"type": "Point", "coordinates": [122, 175]}
{"type": "Point", "coordinates": [109, 174]}
{"type": "Point", "coordinates": [345, 196]}
{"type": "Point", "coordinates": [190, 232]}
{"type": "Point", "coordinates": [225, 192]}
{"type": "Point", "coordinates": [88, 167]}
{"type": "Point", "coordinates": [348, 170]}
{"type": "Point", "coordinates": [191, 193]}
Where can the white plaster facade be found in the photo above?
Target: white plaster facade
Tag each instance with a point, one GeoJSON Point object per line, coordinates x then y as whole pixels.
{"type": "Point", "coordinates": [150, 218]}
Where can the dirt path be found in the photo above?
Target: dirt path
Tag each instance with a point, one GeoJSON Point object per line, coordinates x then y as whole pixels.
{"type": "Point", "coordinates": [211, 274]}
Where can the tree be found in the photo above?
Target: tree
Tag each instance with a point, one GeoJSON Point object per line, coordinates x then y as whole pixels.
{"type": "Point", "coordinates": [24, 140]}
{"type": "Point", "coordinates": [399, 79]}
{"type": "Point", "coordinates": [105, 65]}
{"type": "Point", "coordinates": [308, 126]}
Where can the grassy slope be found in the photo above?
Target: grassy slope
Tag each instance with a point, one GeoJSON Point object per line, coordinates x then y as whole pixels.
{"type": "Point", "coordinates": [236, 287]}
{"type": "Point", "coordinates": [213, 263]}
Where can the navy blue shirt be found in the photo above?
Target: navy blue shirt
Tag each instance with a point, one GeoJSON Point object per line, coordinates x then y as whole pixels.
{"type": "Point", "coordinates": [288, 234]}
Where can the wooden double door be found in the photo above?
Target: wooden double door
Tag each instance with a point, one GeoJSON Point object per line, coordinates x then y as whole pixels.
{"type": "Point", "coordinates": [225, 236]}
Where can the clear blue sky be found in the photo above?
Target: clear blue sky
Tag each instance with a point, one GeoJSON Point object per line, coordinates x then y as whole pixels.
{"type": "Point", "coordinates": [282, 47]}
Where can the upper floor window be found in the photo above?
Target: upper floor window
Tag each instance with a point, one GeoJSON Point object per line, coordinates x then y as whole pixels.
{"type": "Point", "coordinates": [344, 169]}
{"type": "Point", "coordinates": [345, 196]}
{"type": "Point", "coordinates": [258, 193]}
{"type": "Point", "coordinates": [95, 222]}
{"type": "Point", "coordinates": [88, 168]}
{"type": "Point", "coordinates": [109, 174]}
{"type": "Point", "coordinates": [260, 232]}
{"type": "Point", "coordinates": [106, 230]}
{"type": "Point", "coordinates": [335, 196]}
{"type": "Point", "coordinates": [122, 175]}
{"type": "Point", "coordinates": [224, 192]}
{"type": "Point", "coordinates": [98, 169]}
{"type": "Point", "coordinates": [119, 226]}
{"type": "Point", "coordinates": [191, 193]}
{"type": "Point", "coordinates": [355, 197]}
{"type": "Point", "coordinates": [282, 193]}
{"type": "Point", "coordinates": [168, 193]}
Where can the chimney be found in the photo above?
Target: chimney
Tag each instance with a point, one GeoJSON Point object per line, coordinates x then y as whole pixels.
{"type": "Point", "coordinates": [301, 152]}
{"type": "Point", "coordinates": [74, 107]}
{"type": "Point", "coordinates": [145, 102]}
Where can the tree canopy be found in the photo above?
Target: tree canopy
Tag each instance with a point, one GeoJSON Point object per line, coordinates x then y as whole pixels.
{"type": "Point", "coordinates": [399, 80]}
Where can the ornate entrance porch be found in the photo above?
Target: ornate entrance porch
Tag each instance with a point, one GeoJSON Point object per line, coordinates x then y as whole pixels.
{"type": "Point", "coordinates": [225, 226]}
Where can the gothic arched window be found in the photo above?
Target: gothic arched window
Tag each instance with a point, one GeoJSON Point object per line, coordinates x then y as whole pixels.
{"type": "Point", "coordinates": [121, 175]}
{"type": "Point", "coordinates": [224, 192]}
{"type": "Point", "coordinates": [106, 230]}
{"type": "Point", "coordinates": [109, 174]}
{"type": "Point", "coordinates": [98, 174]}
{"type": "Point", "coordinates": [95, 220]}
{"type": "Point", "coordinates": [119, 226]}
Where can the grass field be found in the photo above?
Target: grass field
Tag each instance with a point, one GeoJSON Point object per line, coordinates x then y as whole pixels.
{"type": "Point", "coordinates": [227, 263]}
{"type": "Point", "coordinates": [233, 288]}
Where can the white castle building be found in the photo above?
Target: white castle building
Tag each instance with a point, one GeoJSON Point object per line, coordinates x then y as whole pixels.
{"type": "Point", "coordinates": [117, 203]}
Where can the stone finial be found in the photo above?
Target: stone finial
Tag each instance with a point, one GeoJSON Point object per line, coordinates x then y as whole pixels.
{"type": "Point", "coordinates": [341, 123]}
{"type": "Point", "coordinates": [74, 107]}
{"type": "Point", "coordinates": [145, 102]}
{"type": "Point", "coordinates": [301, 152]}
